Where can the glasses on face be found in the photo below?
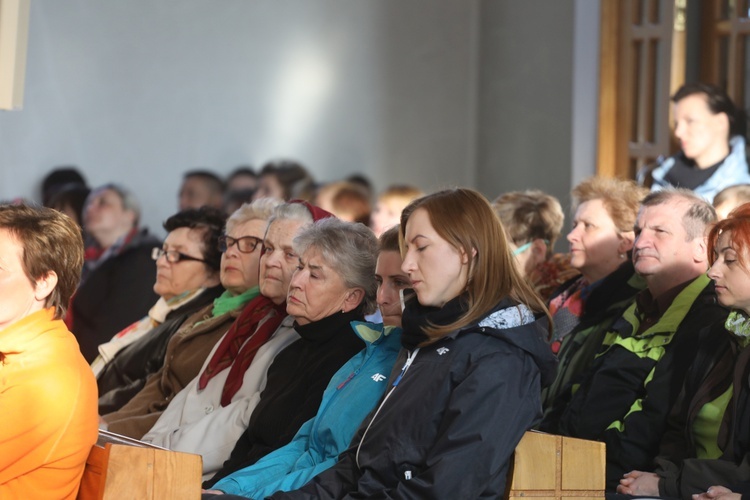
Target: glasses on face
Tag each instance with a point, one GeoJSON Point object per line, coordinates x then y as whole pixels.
{"type": "Point", "coordinates": [246, 244]}
{"type": "Point", "coordinates": [172, 256]}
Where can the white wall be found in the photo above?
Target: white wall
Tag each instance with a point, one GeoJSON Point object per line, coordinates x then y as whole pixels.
{"type": "Point", "coordinates": [432, 92]}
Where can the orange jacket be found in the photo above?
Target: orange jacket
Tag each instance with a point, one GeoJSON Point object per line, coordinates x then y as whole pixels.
{"type": "Point", "coordinates": [48, 409]}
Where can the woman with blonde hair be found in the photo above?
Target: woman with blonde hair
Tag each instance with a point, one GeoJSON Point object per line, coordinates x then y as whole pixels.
{"type": "Point", "coordinates": [467, 383]}
{"type": "Point", "coordinates": [584, 308]}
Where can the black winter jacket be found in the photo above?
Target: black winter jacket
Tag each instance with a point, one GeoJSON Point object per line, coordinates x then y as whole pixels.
{"type": "Point", "coordinates": [448, 426]}
{"type": "Point", "coordinates": [681, 473]}
{"type": "Point", "coordinates": [626, 396]}
{"type": "Point", "coordinates": [607, 302]}
{"type": "Point", "coordinates": [114, 295]}
{"type": "Point", "coordinates": [124, 376]}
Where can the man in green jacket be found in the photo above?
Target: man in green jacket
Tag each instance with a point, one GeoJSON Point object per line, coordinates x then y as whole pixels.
{"type": "Point", "coordinates": [624, 398]}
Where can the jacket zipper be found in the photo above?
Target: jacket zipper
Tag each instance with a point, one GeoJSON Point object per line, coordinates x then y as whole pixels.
{"type": "Point", "coordinates": [409, 360]}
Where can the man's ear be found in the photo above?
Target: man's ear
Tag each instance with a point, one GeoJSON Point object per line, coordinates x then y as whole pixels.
{"type": "Point", "coordinates": [45, 286]}
{"type": "Point", "coordinates": [700, 250]}
{"type": "Point", "coordinates": [132, 217]}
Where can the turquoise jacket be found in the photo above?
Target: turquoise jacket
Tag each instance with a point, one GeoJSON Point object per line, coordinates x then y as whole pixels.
{"type": "Point", "coordinates": [350, 396]}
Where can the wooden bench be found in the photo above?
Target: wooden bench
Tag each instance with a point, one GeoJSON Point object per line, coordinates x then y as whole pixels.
{"type": "Point", "coordinates": [544, 467]}
{"type": "Point", "coordinates": [120, 468]}
{"type": "Point", "coordinates": [549, 467]}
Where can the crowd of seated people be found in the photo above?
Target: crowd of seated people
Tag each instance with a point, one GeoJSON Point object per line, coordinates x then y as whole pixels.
{"type": "Point", "coordinates": [242, 336]}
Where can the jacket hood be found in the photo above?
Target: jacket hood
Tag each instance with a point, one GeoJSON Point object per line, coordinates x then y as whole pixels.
{"type": "Point", "coordinates": [517, 325]}
{"type": "Point", "coordinates": [372, 333]}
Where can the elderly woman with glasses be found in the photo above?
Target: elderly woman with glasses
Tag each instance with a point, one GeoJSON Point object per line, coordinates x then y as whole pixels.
{"type": "Point", "coordinates": [212, 412]}
{"type": "Point", "coordinates": [47, 392]}
{"type": "Point", "coordinates": [351, 394]}
{"type": "Point", "coordinates": [190, 345]}
{"type": "Point", "coordinates": [187, 279]}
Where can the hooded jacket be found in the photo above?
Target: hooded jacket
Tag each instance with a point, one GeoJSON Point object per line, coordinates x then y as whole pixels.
{"type": "Point", "coordinates": [114, 295]}
{"type": "Point", "coordinates": [351, 394]}
{"type": "Point", "coordinates": [454, 413]}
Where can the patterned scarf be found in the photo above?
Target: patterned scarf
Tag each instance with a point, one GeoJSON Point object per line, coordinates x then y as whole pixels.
{"type": "Point", "coordinates": [739, 324]}
{"type": "Point", "coordinates": [239, 346]}
{"type": "Point", "coordinates": [566, 310]}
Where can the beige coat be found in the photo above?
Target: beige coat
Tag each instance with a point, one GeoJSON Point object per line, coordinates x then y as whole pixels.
{"type": "Point", "coordinates": [186, 352]}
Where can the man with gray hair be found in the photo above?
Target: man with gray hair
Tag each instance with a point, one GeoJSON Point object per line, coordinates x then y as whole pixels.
{"type": "Point", "coordinates": [626, 395]}
{"type": "Point", "coordinates": [118, 275]}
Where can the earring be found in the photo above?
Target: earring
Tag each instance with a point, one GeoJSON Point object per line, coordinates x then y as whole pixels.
{"type": "Point", "coordinates": [622, 255]}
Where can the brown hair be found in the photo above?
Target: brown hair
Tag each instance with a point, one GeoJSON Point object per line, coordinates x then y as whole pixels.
{"type": "Point", "coordinates": [348, 201]}
{"type": "Point", "coordinates": [621, 198]}
{"type": "Point", "coordinates": [51, 242]}
{"type": "Point", "coordinates": [401, 192]}
{"type": "Point", "coordinates": [530, 215]}
{"type": "Point", "coordinates": [465, 219]}
{"type": "Point", "coordinates": [294, 179]}
{"type": "Point", "coordinates": [389, 240]}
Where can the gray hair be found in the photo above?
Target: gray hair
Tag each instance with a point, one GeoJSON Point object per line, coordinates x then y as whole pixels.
{"type": "Point", "coordinates": [350, 249]}
{"type": "Point", "coordinates": [128, 199]}
{"type": "Point", "coordinates": [293, 211]}
{"type": "Point", "coordinates": [699, 215]}
{"type": "Point", "coordinates": [260, 209]}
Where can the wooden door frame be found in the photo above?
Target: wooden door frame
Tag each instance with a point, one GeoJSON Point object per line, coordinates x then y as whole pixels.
{"type": "Point", "coordinates": [617, 81]}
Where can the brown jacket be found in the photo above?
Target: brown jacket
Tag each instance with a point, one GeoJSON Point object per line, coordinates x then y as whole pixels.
{"type": "Point", "coordinates": [186, 352]}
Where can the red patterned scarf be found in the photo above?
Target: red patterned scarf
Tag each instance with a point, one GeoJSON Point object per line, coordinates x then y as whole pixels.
{"type": "Point", "coordinates": [239, 346]}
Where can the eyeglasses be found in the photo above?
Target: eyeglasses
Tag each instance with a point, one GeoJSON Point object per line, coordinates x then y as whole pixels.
{"type": "Point", "coordinates": [246, 244]}
{"type": "Point", "coordinates": [173, 256]}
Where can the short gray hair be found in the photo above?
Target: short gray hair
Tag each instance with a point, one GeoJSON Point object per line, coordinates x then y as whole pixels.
{"type": "Point", "coordinates": [699, 215]}
{"type": "Point", "coordinates": [350, 249]}
{"type": "Point", "coordinates": [260, 209]}
{"type": "Point", "coordinates": [128, 199]}
{"type": "Point", "coordinates": [294, 211]}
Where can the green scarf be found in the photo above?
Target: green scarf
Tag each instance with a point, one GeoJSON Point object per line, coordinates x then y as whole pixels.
{"type": "Point", "coordinates": [739, 324]}
{"type": "Point", "coordinates": [228, 302]}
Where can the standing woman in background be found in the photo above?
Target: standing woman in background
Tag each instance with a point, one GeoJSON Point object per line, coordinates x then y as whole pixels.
{"type": "Point", "coordinates": [467, 383]}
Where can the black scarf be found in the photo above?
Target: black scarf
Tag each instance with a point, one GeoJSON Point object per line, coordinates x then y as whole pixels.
{"type": "Point", "coordinates": [416, 317]}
